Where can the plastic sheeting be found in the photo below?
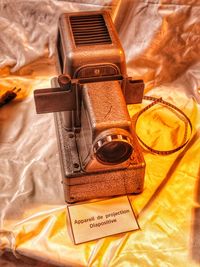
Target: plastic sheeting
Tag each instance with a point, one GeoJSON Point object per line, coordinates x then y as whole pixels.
{"type": "Point", "coordinates": [161, 41]}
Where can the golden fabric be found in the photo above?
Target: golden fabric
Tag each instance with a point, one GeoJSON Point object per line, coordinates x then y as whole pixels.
{"type": "Point", "coordinates": [161, 41]}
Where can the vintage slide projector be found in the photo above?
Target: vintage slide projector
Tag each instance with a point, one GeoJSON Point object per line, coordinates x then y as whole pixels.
{"type": "Point", "coordinates": [99, 152]}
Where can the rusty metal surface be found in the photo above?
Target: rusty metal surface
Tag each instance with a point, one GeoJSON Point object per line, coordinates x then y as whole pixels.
{"type": "Point", "coordinates": [161, 42]}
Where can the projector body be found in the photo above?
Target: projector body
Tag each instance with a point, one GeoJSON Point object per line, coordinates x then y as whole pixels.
{"type": "Point", "coordinates": [99, 152]}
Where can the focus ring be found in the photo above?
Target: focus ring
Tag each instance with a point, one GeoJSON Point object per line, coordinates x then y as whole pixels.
{"type": "Point", "coordinates": [110, 138]}
{"type": "Point", "coordinates": [113, 149]}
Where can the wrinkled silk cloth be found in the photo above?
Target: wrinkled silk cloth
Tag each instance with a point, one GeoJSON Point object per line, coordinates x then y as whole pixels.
{"type": "Point", "coordinates": [161, 40]}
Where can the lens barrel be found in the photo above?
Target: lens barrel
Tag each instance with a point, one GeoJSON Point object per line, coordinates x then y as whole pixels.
{"type": "Point", "coordinates": [113, 149]}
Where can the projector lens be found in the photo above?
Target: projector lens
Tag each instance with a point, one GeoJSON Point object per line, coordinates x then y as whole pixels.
{"type": "Point", "coordinates": [113, 149]}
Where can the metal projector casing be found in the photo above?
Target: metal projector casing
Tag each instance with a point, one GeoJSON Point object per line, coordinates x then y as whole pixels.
{"type": "Point", "coordinates": [89, 101]}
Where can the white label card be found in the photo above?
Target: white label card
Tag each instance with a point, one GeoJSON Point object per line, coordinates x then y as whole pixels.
{"type": "Point", "coordinates": [94, 220]}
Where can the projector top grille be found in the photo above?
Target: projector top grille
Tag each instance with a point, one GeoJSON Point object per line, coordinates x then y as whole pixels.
{"type": "Point", "coordinates": [90, 30]}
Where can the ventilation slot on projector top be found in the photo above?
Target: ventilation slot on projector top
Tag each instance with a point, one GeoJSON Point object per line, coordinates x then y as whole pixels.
{"type": "Point", "coordinates": [90, 30]}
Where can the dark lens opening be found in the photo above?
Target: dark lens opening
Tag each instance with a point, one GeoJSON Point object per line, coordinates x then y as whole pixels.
{"type": "Point", "coordinates": [114, 152]}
